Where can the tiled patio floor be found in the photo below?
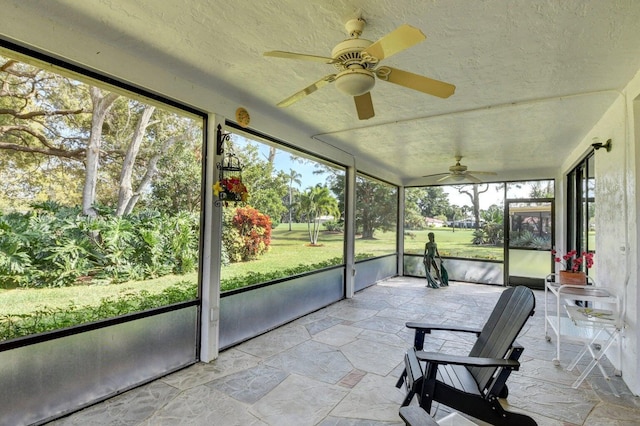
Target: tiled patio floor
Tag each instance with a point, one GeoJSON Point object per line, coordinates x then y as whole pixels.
{"type": "Point", "coordinates": [339, 366]}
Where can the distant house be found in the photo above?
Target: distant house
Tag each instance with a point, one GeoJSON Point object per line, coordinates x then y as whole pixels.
{"type": "Point", "coordinates": [433, 222]}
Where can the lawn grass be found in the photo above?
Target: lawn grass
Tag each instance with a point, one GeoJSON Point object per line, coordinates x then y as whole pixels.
{"type": "Point", "coordinates": [288, 248]}
{"type": "Point", "coordinates": [451, 243]}
{"type": "Point", "coordinates": [26, 300]}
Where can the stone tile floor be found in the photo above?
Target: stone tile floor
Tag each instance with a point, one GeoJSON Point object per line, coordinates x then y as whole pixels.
{"type": "Point", "coordinates": [339, 366]}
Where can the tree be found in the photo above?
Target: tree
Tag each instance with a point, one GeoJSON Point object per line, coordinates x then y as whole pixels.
{"type": "Point", "coordinates": [542, 189]}
{"type": "Point", "coordinates": [266, 187]}
{"type": "Point", "coordinates": [432, 201]}
{"type": "Point", "coordinates": [43, 132]}
{"type": "Point", "coordinates": [177, 185]}
{"type": "Point", "coordinates": [493, 228]}
{"type": "Point", "coordinates": [63, 132]}
{"type": "Point", "coordinates": [126, 196]}
{"type": "Point", "coordinates": [294, 177]}
{"type": "Point", "coordinates": [413, 218]}
{"type": "Point", "coordinates": [315, 203]}
{"type": "Point", "coordinates": [473, 191]}
{"type": "Point", "coordinates": [376, 207]}
{"type": "Point", "coordinates": [101, 102]}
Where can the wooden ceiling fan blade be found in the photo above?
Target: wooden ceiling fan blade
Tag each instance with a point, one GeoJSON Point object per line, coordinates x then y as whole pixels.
{"type": "Point", "coordinates": [300, 56]}
{"type": "Point", "coordinates": [442, 179]}
{"type": "Point", "coordinates": [416, 82]}
{"type": "Point", "coordinates": [307, 90]}
{"type": "Point", "coordinates": [364, 106]}
{"type": "Point", "coordinates": [396, 41]}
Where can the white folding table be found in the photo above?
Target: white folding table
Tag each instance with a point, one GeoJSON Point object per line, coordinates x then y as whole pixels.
{"type": "Point", "coordinates": [606, 327]}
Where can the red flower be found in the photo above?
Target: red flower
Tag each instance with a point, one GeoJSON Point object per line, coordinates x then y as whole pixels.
{"type": "Point", "coordinates": [572, 261]}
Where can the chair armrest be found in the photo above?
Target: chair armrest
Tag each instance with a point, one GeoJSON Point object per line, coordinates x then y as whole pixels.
{"type": "Point", "coordinates": [438, 358]}
{"type": "Point", "coordinates": [422, 329]}
{"type": "Point", "coordinates": [414, 415]}
{"type": "Point", "coordinates": [440, 327]}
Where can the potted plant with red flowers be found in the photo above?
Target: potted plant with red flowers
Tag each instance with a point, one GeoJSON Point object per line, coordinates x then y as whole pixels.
{"type": "Point", "coordinates": [572, 263]}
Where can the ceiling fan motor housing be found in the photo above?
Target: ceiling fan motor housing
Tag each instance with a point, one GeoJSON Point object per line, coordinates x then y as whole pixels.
{"type": "Point", "coordinates": [354, 77]}
{"type": "Point", "coordinates": [458, 169]}
{"type": "Point", "coordinates": [347, 52]}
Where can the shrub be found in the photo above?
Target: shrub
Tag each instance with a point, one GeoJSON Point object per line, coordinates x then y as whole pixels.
{"type": "Point", "coordinates": [53, 246]}
{"type": "Point", "coordinates": [247, 234]}
{"type": "Point", "coordinates": [332, 226]}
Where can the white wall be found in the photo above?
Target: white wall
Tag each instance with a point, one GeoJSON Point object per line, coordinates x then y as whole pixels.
{"type": "Point", "coordinates": [617, 212]}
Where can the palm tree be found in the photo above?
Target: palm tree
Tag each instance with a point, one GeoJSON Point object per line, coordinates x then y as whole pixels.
{"type": "Point", "coordinates": [313, 204]}
{"type": "Point", "coordinates": [294, 177]}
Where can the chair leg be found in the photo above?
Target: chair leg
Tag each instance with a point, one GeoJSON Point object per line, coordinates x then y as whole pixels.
{"type": "Point", "coordinates": [428, 387]}
{"type": "Point", "coordinates": [400, 381]}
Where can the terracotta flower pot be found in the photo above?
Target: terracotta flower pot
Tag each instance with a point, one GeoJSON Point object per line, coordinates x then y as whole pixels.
{"type": "Point", "coordinates": [573, 278]}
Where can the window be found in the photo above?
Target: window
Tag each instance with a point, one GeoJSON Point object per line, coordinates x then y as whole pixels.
{"type": "Point", "coordinates": [466, 220]}
{"type": "Point", "coordinates": [293, 219]}
{"type": "Point", "coordinates": [581, 203]}
{"type": "Point", "coordinates": [99, 203]}
{"type": "Point", "coordinates": [376, 218]}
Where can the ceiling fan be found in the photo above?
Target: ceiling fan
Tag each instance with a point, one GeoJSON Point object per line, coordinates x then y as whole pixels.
{"type": "Point", "coordinates": [356, 61]}
{"type": "Point", "coordinates": [459, 172]}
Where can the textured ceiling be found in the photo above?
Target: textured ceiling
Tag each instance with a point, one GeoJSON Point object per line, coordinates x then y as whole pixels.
{"type": "Point", "coordinates": [532, 76]}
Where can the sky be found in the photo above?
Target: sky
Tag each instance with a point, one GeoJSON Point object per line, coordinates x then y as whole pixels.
{"type": "Point", "coordinates": [283, 162]}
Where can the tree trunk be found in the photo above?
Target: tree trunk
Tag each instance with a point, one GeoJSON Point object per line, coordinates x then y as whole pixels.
{"type": "Point", "coordinates": [101, 105]}
{"type": "Point", "coordinates": [152, 169]}
{"type": "Point", "coordinates": [125, 193]}
{"type": "Point", "coordinates": [272, 155]}
{"type": "Point", "coordinates": [476, 206]}
{"type": "Point", "coordinates": [290, 202]}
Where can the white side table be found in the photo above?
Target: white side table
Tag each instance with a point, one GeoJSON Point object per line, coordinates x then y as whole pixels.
{"type": "Point", "coordinates": [602, 322]}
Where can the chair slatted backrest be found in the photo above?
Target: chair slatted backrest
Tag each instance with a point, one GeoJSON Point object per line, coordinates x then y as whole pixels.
{"type": "Point", "coordinates": [499, 333]}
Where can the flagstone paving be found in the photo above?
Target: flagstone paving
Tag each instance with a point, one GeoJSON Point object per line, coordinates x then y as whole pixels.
{"type": "Point", "coordinates": [339, 366]}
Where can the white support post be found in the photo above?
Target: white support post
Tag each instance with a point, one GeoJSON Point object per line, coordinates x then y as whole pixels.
{"type": "Point", "coordinates": [400, 231]}
{"type": "Point", "coordinates": [350, 232]}
{"type": "Point", "coordinates": [211, 250]}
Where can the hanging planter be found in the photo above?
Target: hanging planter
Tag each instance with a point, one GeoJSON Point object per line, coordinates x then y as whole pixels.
{"type": "Point", "coordinates": [229, 187]}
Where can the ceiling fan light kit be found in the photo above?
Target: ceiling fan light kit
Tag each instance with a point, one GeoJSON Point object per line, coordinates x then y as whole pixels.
{"type": "Point", "coordinates": [356, 59]}
{"type": "Point", "coordinates": [355, 82]}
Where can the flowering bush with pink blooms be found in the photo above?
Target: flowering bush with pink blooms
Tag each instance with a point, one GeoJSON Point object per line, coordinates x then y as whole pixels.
{"type": "Point", "coordinates": [572, 261]}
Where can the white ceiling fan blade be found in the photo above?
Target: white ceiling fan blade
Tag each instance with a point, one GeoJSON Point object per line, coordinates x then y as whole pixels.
{"type": "Point", "coordinates": [442, 179]}
{"type": "Point", "coordinates": [307, 90]}
{"type": "Point", "coordinates": [301, 56]}
{"type": "Point", "coordinates": [396, 41]}
{"type": "Point", "coordinates": [437, 174]}
{"type": "Point", "coordinates": [472, 178]}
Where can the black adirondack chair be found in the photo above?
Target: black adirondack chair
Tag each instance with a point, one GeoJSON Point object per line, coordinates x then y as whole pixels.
{"type": "Point", "coordinates": [472, 384]}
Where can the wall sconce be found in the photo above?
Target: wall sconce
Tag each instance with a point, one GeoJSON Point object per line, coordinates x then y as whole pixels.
{"type": "Point", "coordinates": [598, 145]}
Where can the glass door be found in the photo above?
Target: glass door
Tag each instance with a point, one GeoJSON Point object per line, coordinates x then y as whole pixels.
{"type": "Point", "coordinates": [529, 231]}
